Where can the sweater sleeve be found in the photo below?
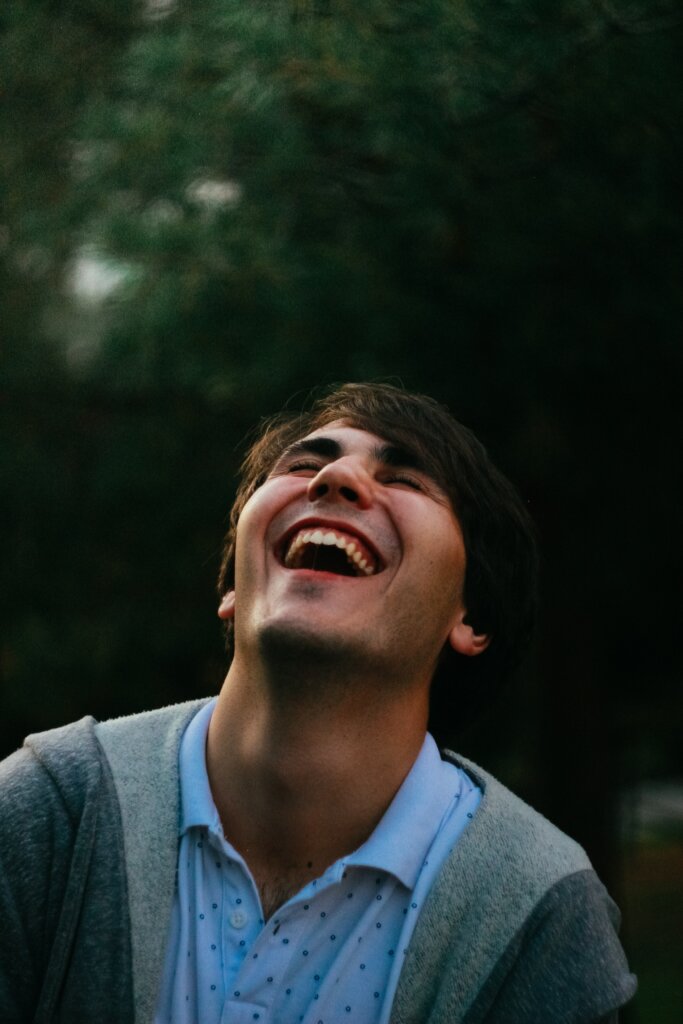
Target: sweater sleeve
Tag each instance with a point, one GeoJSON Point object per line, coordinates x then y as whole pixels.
{"type": "Point", "coordinates": [565, 966]}
{"type": "Point", "coordinates": [64, 932]}
{"type": "Point", "coordinates": [36, 835]}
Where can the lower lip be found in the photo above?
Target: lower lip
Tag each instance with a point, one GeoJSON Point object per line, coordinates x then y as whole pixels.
{"type": "Point", "coordinates": [316, 574]}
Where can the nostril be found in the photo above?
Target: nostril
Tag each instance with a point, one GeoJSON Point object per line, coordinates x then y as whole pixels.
{"type": "Point", "coordinates": [349, 493]}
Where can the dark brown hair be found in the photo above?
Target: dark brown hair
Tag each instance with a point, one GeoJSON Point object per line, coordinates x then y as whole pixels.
{"type": "Point", "coordinates": [500, 591]}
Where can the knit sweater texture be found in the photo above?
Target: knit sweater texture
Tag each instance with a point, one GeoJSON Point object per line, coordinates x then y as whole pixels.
{"type": "Point", "coordinates": [516, 930]}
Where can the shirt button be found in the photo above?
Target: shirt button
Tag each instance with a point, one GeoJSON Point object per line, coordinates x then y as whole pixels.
{"type": "Point", "coordinates": [238, 919]}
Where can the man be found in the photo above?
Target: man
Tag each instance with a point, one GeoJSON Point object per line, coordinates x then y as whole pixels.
{"type": "Point", "coordinates": [297, 850]}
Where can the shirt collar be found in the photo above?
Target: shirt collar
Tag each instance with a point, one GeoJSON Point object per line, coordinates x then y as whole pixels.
{"type": "Point", "coordinates": [196, 800]}
{"type": "Point", "coordinates": [400, 842]}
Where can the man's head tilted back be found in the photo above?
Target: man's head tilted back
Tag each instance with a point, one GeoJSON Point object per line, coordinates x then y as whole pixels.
{"type": "Point", "coordinates": [331, 863]}
{"type": "Point", "coordinates": [379, 507]}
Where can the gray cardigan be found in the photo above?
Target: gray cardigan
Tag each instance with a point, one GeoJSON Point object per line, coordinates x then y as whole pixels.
{"type": "Point", "coordinates": [517, 928]}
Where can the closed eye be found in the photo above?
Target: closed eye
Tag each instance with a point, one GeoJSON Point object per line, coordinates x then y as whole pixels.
{"type": "Point", "coordinates": [408, 481]}
{"type": "Point", "coordinates": [303, 465]}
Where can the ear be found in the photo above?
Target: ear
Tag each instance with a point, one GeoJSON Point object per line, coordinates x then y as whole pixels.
{"type": "Point", "coordinates": [464, 640]}
{"type": "Point", "coordinates": [226, 609]}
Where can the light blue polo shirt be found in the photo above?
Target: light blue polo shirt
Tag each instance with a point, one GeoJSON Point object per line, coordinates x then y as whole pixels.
{"type": "Point", "coordinates": [333, 952]}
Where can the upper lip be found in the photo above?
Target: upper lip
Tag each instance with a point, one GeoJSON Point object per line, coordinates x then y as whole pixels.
{"type": "Point", "coordinates": [328, 524]}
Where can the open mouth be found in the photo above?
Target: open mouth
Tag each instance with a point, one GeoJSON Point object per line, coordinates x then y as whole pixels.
{"type": "Point", "coordinates": [323, 549]}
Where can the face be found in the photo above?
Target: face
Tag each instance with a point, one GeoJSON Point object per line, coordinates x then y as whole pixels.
{"type": "Point", "coordinates": [349, 551]}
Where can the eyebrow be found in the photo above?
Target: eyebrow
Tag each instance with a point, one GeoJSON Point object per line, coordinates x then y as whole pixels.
{"type": "Point", "coordinates": [326, 447]}
{"type": "Point", "coordinates": [323, 446]}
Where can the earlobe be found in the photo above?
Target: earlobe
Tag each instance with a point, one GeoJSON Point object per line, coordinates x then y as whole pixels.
{"type": "Point", "coordinates": [465, 640]}
{"type": "Point", "coordinates": [226, 609]}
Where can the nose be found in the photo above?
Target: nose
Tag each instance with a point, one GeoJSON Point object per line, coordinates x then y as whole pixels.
{"type": "Point", "coordinates": [344, 479]}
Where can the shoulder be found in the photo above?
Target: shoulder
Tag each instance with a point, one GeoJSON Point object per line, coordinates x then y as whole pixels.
{"type": "Point", "coordinates": [515, 894]}
{"type": "Point", "coordinates": [161, 724]}
{"type": "Point", "coordinates": [53, 771]}
{"type": "Point", "coordinates": [565, 962]}
{"type": "Point", "coordinates": [58, 769]}
{"type": "Point", "coordinates": [138, 747]}
{"type": "Point", "coordinates": [167, 721]}
{"type": "Point", "coordinates": [510, 838]}
{"type": "Point", "coordinates": [506, 861]}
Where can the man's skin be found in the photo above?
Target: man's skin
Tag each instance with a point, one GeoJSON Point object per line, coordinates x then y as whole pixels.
{"type": "Point", "coordinates": [324, 708]}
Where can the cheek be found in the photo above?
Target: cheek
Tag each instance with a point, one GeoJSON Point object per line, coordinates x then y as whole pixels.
{"type": "Point", "coordinates": [446, 572]}
{"type": "Point", "coordinates": [257, 525]}
{"type": "Point", "coordinates": [256, 514]}
{"type": "Point", "coordinates": [248, 539]}
{"type": "Point", "coordinates": [457, 562]}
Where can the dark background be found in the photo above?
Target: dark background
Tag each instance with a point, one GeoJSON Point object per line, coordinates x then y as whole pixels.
{"type": "Point", "coordinates": [208, 209]}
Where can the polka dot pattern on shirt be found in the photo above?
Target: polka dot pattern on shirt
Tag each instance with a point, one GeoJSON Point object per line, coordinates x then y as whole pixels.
{"type": "Point", "coordinates": [332, 946]}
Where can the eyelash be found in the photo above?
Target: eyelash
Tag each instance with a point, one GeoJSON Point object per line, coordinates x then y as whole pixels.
{"type": "Point", "coordinates": [304, 464]}
{"type": "Point", "coordinates": [409, 481]}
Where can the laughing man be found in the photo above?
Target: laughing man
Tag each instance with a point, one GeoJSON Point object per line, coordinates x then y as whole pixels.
{"type": "Point", "coordinates": [298, 849]}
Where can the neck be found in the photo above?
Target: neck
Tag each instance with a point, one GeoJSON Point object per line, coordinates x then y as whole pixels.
{"type": "Point", "coordinates": [302, 778]}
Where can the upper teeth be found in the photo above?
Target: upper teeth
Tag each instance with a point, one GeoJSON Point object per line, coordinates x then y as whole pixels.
{"type": "Point", "coordinates": [362, 559]}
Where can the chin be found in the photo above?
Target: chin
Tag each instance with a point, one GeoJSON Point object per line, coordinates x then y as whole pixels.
{"type": "Point", "coordinates": [282, 642]}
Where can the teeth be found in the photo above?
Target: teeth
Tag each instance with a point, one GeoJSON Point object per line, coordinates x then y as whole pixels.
{"type": "Point", "coordinates": [329, 538]}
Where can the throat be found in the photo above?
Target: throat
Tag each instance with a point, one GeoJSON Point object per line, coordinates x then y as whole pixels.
{"type": "Point", "coordinates": [276, 886]}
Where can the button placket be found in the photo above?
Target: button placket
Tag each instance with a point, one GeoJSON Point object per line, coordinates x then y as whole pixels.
{"type": "Point", "coordinates": [283, 932]}
{"type": "Point", "coordinates": [240, 925]}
